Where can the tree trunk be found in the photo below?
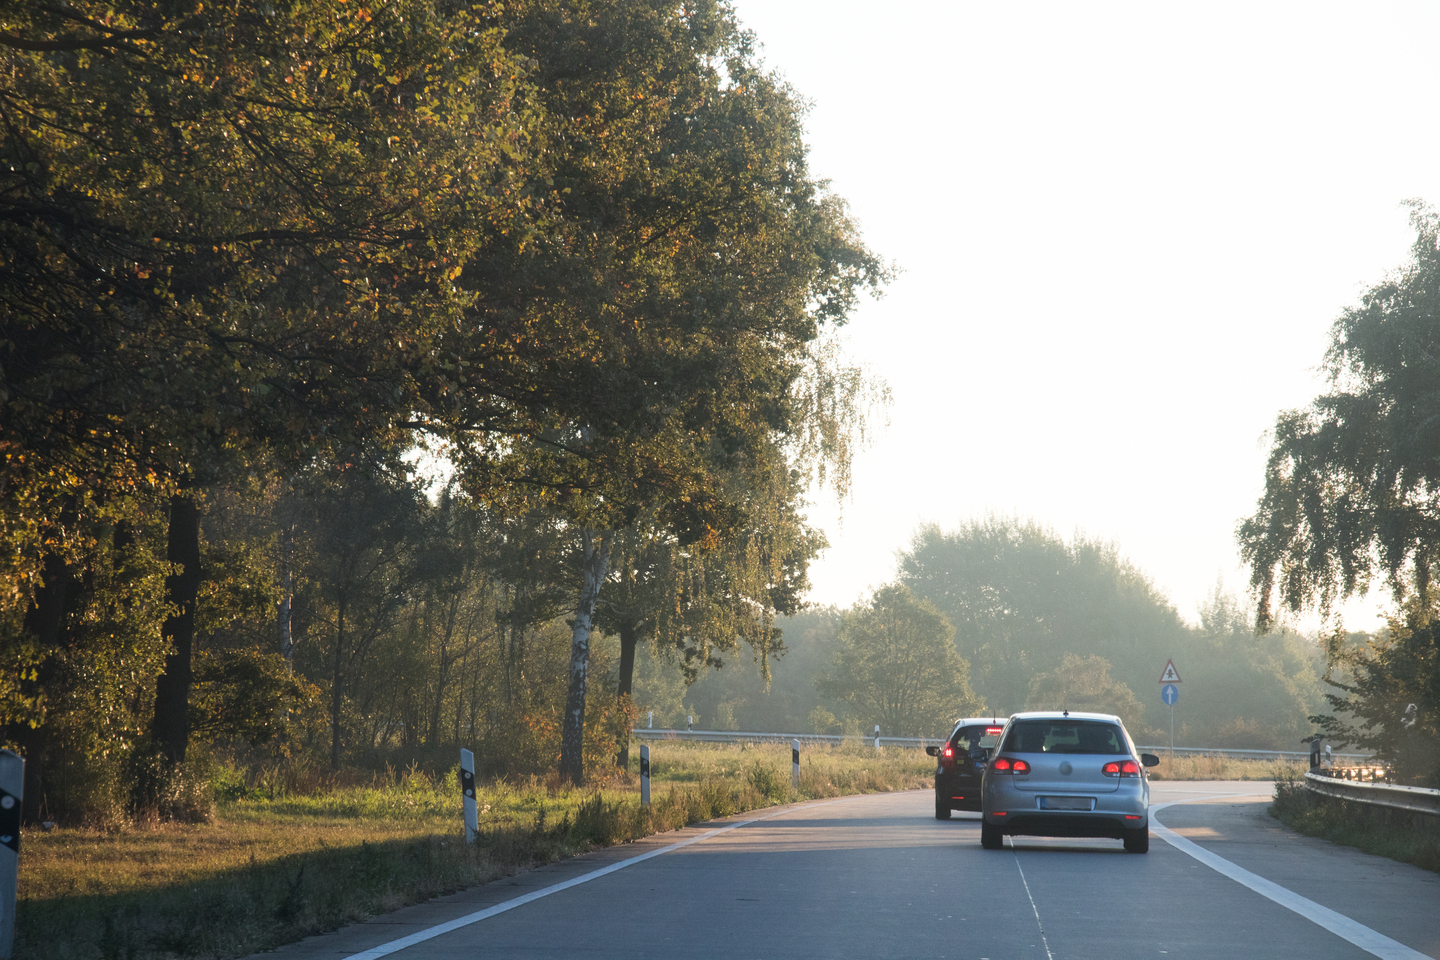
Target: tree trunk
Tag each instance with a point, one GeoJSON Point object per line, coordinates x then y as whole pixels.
{"type": "Point", "coordinates": [629, 637]}
{"type": "Point", "coordinates": [46, 621]}
{"type": "Point", "coordinates": [337, 686]}
{"type": "Point", "coordinates": [171, 728]}
{"type": "Point", "coordinates": [572, 736]}
{"type": "Point", "coordinates": [287, 593]}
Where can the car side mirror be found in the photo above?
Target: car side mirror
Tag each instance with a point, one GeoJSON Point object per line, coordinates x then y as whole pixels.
{"type": "Point", "coordinates": [1149, 759]}
{"type": "Point", "coordinates": [933, 751]}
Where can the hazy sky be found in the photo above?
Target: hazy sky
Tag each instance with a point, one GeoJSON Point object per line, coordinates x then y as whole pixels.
{"type": "Point", "coordinates": [1125, 230]}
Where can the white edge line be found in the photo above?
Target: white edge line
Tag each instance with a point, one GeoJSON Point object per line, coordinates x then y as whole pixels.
{"type": "Point", "coordinates": [1371, 941]}
{"type": "Point", "coordinates": [429, 933]}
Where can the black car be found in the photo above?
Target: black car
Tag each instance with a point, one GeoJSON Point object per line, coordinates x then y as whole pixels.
{"type": "Point", "coordinates": [962, 759]}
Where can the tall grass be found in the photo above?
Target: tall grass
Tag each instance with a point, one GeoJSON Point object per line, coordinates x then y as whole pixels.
{"type": "Point", "coordinates": [1214, 767]}
{"type": "Point", "coordinates": [292, 852]}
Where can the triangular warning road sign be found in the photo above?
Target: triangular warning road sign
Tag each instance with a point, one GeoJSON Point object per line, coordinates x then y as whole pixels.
{"type": "Point", "coordinates": [1171, 675]}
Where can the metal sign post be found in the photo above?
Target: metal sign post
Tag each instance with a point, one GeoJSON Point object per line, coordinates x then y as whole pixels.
{"type": "Point", "coordinates": [467, 787]}
{"type": "Point", "coordinates": [1169, 693]}
{"type": "Point", "coordinates": [12, 790]}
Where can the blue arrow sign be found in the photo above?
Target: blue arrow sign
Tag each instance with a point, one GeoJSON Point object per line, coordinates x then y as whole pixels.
{"type": "Point", "coordinates": [1170, 693]}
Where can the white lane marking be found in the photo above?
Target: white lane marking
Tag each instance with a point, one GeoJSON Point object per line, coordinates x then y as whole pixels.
{"type": "Point", "coordinates": [1366, 939]}
{"type": "Point", "coordinates": [1043, 939]}
{"type": "Point", "coordinates": [430, 933]}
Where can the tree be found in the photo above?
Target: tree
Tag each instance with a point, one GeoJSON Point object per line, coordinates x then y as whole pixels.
{"type": "Point", "coordinates": [1389, 701]}
{"type": "Point", "coordinates": [689, 266]}
{"type": "Point", "coordinates": [1246, 690]}
{"type": "Point", "coordinates": [700, 601]}
{"type": "Point", "coordinates": [1021, 598]}
{"type": "Point", "coordinates": [1084, 683]}
{"type": "Point", "coordinates": [1352, 493]}
{"type": "Point", "coordinates": [216, 236]}
{"type": "Point", "coordinates": [1352, 485]}
{"type": "Point", "coordinates": [897, 666]}
{"type": "Point", "coordinates": [369, 528]}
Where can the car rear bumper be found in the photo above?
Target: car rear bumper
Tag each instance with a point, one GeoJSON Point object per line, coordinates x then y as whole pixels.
{"type": "Point", "coordinates": [962, 792]}
{"type": "Point", "coordinates": [1067, 824]}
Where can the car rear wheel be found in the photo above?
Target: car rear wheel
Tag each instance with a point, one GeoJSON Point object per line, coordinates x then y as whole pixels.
{"type": "Point", "coordinates": [942, 808]}
{"type": "Point", "coordinates": [1137, 841]}
{"type": "Point", "coordinates": [993, 838]}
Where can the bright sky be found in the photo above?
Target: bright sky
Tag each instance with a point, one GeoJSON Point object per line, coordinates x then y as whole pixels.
{"type": "Point", "coordinates": [1125, 230]}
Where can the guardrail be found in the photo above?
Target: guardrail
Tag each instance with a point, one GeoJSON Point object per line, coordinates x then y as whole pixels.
{"type": "Point", "coordinates": [738, 736]}
{"type": "Point", "coordinates": [741, 736]}
{"type": "Point", "coordinates": [1421, 800]}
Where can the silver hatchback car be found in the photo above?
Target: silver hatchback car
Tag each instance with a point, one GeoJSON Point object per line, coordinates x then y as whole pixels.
{"type": "Point", "coordinates": [1063, 774]}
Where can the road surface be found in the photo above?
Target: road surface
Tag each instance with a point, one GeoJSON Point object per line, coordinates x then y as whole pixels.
{"type": "Point", "coordinates": [878, 876]}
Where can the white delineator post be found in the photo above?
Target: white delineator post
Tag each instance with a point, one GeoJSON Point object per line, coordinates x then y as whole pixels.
{"type": "Point", "coordinates": [877, 736]}
{"type": "Point", "coordinates": [645, 776]}
{"type": "Point", "coordinates": [795, 764]}
{"type": "Point", "coordinates": [12, 790]}
{"type": "Point", "coordinates": [467, 787]}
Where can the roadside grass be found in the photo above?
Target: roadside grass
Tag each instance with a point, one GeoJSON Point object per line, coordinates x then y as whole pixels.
{"type": "Point", "coordinates": [1355, 825]}
{"type": "Point", "coordinates": [1213, 767]}
{"type": "Point", "coordinates": [276, 864]}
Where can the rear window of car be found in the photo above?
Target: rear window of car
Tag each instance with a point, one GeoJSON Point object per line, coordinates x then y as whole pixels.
{"type": "Point", "coordinates": [968, 738]}
{"type": "Point", "coordinates": [1065, 736]}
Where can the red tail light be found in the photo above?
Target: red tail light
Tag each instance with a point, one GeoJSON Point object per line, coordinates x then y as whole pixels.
{"type": "Point", "coordinates": [1006, 765]}
{"type": "Point", "coordinates": [949, 751]}
{"type": "Point", "coordinates": [1121, 768]}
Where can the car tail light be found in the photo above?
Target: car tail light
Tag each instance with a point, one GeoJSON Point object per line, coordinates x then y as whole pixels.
{"type": "Point", "coordinates": [1006, 765]}
{"type": "Point", "coordinates": [994, 731]}
{"type": "Point", "coordinates": [1121, 768]}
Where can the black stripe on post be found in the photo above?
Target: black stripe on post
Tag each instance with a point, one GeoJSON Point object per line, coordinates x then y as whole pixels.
{"type": "Point", "coordinates": [9, 820]}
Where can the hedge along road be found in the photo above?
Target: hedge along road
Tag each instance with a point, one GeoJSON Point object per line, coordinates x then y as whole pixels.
{"type": "Point", "coordinates": [878, 876]}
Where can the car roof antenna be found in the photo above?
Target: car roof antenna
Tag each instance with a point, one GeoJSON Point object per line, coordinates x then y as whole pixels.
{"type": "Point", "coordinates": [1067, 711]}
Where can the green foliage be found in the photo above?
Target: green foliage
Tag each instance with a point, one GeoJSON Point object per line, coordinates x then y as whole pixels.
{"type": "Point", "coordinates": [1084, 683]}
{"type": "Point", "coordinates": [1021, 598]}
{"type": "Point", "coordinates": [1351, 494]}
{"type": "Point", "coordinates": [1352, 480]}
{"type": "Point", "coordinates": [255, 257]}
{"type": "Point", "coordinates": [1025, 603]}
{"type": "Point", "coordinates": [1246, 690]}
{"type": "Point", "coordinates": [249, 695]}
{"type": "Point", "coordinates": [1390, 702]}
{"type": "Point", "coordinates": [896, 665]}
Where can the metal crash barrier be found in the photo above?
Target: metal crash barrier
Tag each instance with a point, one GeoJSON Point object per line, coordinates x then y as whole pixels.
{"type": "Point", "coordinates": [1382, 796]}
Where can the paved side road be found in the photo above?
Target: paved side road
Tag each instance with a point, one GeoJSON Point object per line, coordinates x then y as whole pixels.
{"type": "Point", "coordinates": [878, 876]}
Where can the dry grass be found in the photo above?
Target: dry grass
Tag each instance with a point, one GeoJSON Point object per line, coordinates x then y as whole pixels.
{"type": "Point", "coordinates": [1207, 767]}
{"type": "Point", "coordinates": [278, 864]}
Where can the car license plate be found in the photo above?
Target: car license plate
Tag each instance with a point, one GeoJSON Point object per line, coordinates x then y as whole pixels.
{"type": "Point", "coordinates": [1067, 803]}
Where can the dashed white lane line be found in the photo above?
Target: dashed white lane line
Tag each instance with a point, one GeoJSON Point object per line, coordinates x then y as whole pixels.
{"type": "Point", "coordinates": [1371, 941]}
{"type": "Point", "coordinates": [440, 929]}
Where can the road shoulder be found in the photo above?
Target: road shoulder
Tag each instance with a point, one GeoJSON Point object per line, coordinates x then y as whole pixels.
{"type": "Point", "coordinates": [1395, 899]}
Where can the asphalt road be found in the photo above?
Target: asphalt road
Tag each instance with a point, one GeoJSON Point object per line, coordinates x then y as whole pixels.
{"type": "Point", "coordinates": [878, 876]}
